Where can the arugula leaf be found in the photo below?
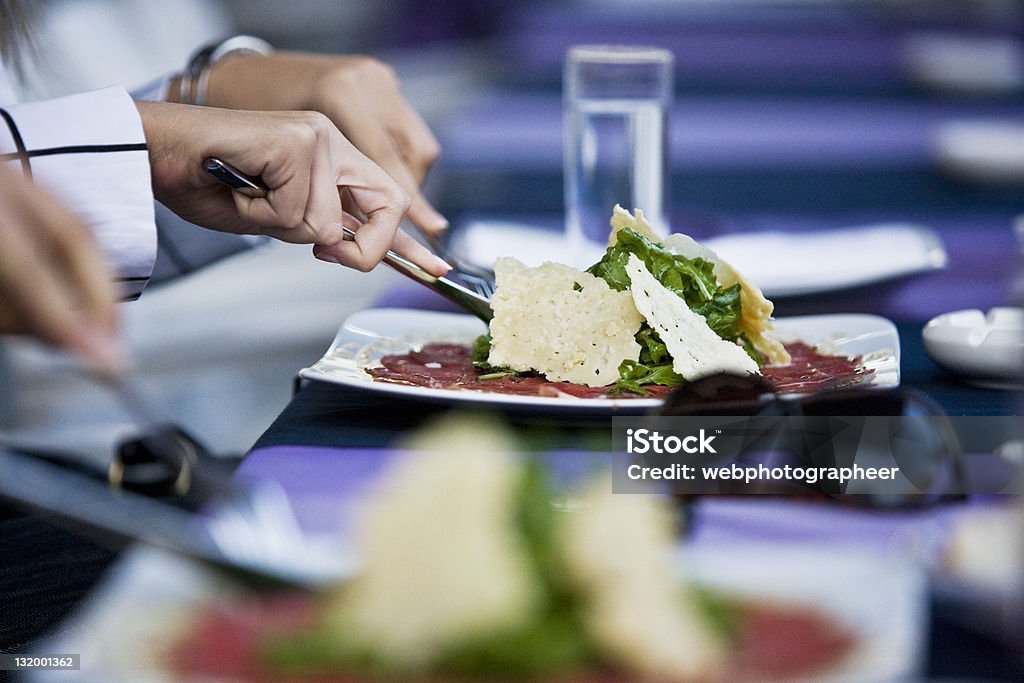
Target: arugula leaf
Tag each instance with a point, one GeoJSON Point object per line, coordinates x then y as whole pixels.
{"type": "Point", "coordinates": [554, 643]}
{"type": "Point", "coordinates": [315, 651]}
{"type": "Point", "coordinates": [652, 349]}
{"type": "Point", "coordinates": [722, 312]}
{"type": "Point", "coordinates": [691, 279]}
{"type": "Point", "coordinates": [722, 613]}
{"type": "Point", "coordinates": [751, 350]}
{"type": "Point", "coordinates": [481, 350]}
{"type": "Point", "coordinates": [633, 376]}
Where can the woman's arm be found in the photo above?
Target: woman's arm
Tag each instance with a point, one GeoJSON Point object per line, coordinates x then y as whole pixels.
{"type": "Point", "coordinates": [360, 95]}
{"type": "Point", "coordinates": [54, 283]}
{"type": "Point", "coordinates": [318, 181]}
{"type": "Point", "coordinates": [89, 150]}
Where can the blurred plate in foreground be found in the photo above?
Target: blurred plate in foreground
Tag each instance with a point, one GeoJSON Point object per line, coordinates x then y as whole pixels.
{"type": "Point", "coordinates": [128, 629]}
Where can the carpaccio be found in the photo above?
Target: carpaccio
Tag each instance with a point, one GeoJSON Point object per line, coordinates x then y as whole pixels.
{"type": "Point", "coordinates": [771, 642]}
{"type": "Point", "coordinates": [450, 366]}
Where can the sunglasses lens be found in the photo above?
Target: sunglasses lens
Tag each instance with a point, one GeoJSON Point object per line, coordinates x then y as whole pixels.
{"type": "Point", "coordinates": [854, 403]}
{"type": "Point", "coordinates": [879, 448]}
{"type": "Point", "coordinates": [721, 394]}
{"type": "Point", "coordinates": [902, 430]}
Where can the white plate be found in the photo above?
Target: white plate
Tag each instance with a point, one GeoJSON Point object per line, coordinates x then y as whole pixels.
{"type": "Point", "coordinates": [983, 348]}
{"type": "Point", "coordinates": [368, 335]}
{"type": "Point", "coordinates": [879, 598]}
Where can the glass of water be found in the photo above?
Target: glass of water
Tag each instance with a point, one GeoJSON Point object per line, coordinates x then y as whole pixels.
{"type": "Point", "coordinates": [616, 102]}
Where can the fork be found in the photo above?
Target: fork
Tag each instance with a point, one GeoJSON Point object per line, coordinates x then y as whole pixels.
{"type": "Point", "coordinates": [256, 545]}
{"type": "Point", "coordinates": [475, 299]}
{"type": "Point", "coordinates": [477, 278]}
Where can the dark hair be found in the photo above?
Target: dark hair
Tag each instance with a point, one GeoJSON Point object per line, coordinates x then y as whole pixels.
{"type": "Point", "coordinates": [14, 34]}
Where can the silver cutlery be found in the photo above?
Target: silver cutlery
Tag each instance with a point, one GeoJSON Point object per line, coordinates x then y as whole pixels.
{"type": "Point", "coordinates": [476, 302]}
{"type": "Point", "coordinates": [163, 488]}
{"type": "Point", "coordinates": [477, 278]}
{"type": "Point", "coordinates": [241, 547]}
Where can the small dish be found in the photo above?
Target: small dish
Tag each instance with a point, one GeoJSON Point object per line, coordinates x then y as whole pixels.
{"type": "Point", "coordinates": [986, 349]}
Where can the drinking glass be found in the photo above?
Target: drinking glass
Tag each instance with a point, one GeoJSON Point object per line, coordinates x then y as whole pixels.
{"type": "Point", "coordinates": [616, 106]}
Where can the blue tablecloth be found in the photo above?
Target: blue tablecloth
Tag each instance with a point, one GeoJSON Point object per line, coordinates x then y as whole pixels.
{"type": "Point", "coordinates": [320, 480]}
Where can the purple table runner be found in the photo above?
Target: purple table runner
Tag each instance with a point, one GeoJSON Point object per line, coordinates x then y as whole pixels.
{"type": "Point", "coordinates": [322, 482]}
{"type": "Point", "coordinates": [524, 132]}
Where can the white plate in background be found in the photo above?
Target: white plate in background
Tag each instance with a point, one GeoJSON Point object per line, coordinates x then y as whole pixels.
{"type": "Point", "coordinates": [781, 263]}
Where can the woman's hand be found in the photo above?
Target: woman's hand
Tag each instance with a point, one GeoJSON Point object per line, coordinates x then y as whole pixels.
{"type": "Point", "coordinates": [360, 95]}
{"type": "Point", "coordinates": [54, 283]}
{"type": "Point", "coordinates": [317, 180]}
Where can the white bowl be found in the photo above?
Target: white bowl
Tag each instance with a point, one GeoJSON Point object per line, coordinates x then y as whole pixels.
{"type": "Point", "coordinates": [986, 348]}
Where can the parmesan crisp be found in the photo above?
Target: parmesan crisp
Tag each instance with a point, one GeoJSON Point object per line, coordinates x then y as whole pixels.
{"type": "Point", "coordinates": [564, 323]}
{"type": "Point", "coordinates": [696, 350]}
{"type": "Point", "coordinates": [756, 322]}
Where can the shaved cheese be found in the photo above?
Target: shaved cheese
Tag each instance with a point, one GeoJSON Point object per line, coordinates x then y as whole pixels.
{"type": "Point", "coordinates": [440, 565]}
{"type": "Point", "coordinates": [639, 613]}
{"type": "Point", "coordinates": [696, 350]}
{"type": "Point", "coordinates": [566, 324]}
{"type": "Point", "coordinates": [756, 322]}
{"type": "Point", "coordinates": [623, 219]}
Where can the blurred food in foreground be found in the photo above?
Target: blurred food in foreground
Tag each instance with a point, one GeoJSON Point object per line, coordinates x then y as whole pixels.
{"type": "Point", "coordinates": [469, 569]}
{"type": "Point", "coordinates": [985, 550]}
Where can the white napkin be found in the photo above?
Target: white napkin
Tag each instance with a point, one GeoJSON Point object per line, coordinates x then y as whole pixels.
{"type": "Point", "coordinates": [789, 264]}
{"type": "Point", "coordinates": [782, 264]}
{"type": "Point", "coordinates": [987, 152]}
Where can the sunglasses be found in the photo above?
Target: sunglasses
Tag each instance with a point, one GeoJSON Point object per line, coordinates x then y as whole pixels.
{"type": "Point", "coordinates": [826, 432]}
{"type": "Point", "coordinates": [165, 461]}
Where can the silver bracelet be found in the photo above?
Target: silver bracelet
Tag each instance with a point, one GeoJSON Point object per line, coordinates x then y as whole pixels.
{"type": "Point", "coordinates": [192, 86]}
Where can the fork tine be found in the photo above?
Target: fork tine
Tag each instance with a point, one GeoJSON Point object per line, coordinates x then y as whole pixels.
{"type": "Point", "coordinates": [483, 277]}
{"type": "Point", "coordinates": [481, 285]}
{"type": "Point", "coordinates": [476, 278]}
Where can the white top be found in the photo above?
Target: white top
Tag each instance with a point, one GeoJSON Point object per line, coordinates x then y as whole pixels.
{"type": "Point", "coordinates": [89, 149]}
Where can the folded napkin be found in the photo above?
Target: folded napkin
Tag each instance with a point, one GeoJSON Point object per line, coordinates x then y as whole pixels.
{"type": "Point", "coordinates": [781, 263]}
